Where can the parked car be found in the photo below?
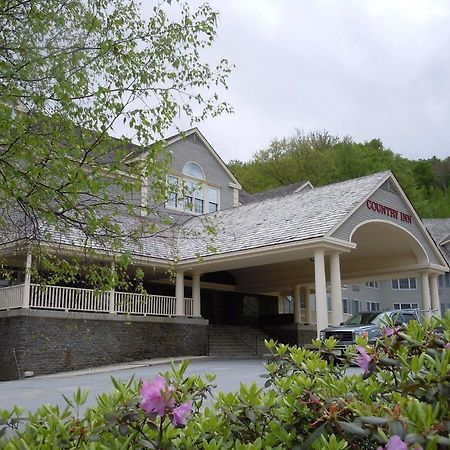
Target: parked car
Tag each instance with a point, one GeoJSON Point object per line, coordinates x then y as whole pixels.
{"type": "Point", "coordinates": [368, 323]}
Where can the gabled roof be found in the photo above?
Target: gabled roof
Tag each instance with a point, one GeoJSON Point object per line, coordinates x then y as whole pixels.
{"type": "Point", "coordinates": [284, 216]}
{"type": "Point", "coordinates": [296, 216]}
{"type": "Point", "coordinates": [274, 193]}
{"type": "Point", "coordinates": [184, 134]}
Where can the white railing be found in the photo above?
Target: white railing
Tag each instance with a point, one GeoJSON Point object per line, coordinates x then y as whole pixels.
{"type": "Point", "coordinates": [89, 300]}
{"type": "Point", "coordinates": [188, 306]}
{"type": "Point", "coordinates": [11, 297]}
{"type": "Point", "coordinates": [68, 298]}
{"type": "Point", "coordinates": [144, 304]}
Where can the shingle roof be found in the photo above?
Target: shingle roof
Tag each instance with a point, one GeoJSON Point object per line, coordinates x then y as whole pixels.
{"type": "Point", "coordinates": [438, 228]}
{"type": "Point", "coordinates": [440, 231]}
{"type": "Point", "coordinates": [245, 197]}
{"type": "Point", "coordinates": [283, 219]}
{"type": "Point", "coordinates": [150, 244]}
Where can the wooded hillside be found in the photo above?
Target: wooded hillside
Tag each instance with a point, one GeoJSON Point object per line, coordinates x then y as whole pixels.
{"type": "Point", "coordinates": [323, 158]}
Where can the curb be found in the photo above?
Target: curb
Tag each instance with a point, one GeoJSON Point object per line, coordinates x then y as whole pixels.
{"type": "Point", "coordinates": [119, 367]}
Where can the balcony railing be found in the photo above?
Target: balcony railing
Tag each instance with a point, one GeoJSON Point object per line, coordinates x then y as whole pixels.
{"type": "Point", "coordinates": [11, 297]}
{"type": "Point", "coordinates": [61, 298]}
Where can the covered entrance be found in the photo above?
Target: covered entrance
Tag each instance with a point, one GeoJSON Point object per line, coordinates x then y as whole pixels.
{"type": "Point", "coordinates": [351, 232]}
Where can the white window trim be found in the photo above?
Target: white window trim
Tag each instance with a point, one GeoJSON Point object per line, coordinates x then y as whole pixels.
{"type": "Point", "coordinates": [366, 284]}
{"type": "Point", "coordinates": [349, 305]}
{"type": "Point", "coordinates": [191, 176]}
{"type": "Point", "coordinates": [181, 207]}
{"type": "Point", "coordinates": [372, 302]}
{"type": "Point", "coordinates": [352, 302]}
{"type": "Point", "coordinates": [409, 288]}
{"type": "Point", "coordinates": [412, 305]}
{"type": "Point", "coordinates": [207, 187]}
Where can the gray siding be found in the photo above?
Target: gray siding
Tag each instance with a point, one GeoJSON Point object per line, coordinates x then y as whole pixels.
{"type": "Point", "coordinates": [384, 294]}
{"type": "Point", "coordinates": [392, 200]}
{"type": "Point", "coordinates": [388, 296]}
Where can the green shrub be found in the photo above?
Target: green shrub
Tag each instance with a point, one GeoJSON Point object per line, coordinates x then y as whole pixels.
{"type": "Point", "coordinates": [309, 401]}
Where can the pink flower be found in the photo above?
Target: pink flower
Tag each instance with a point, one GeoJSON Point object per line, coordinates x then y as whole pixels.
{"type": "Point", "coordinates": [156, 397]}
{"type": "Point", "coordinates": [363, 359]}
{"type": "Point", "coordinates": [394, 443]}
{"type": "Point", "coordinates": [180, 413]}
{"type": "Point", "coordinates": [389, 331]}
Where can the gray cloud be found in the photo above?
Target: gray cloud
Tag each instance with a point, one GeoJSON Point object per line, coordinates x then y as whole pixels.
{"type": "Point", "coordinates": [374, 68]}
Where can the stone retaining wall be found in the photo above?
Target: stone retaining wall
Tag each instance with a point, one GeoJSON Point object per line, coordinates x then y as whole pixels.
{"type": "Point", "coordinates": [50, 341]}
{"type": "Point", "coordinates": [292, 334]}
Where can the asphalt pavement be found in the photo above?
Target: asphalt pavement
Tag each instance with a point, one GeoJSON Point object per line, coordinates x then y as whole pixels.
{"type": "Point", "coordinates": [30, 393]}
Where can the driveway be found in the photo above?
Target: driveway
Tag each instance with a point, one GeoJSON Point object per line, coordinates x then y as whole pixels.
{"type": "Point", "coordinates": [30, 393]}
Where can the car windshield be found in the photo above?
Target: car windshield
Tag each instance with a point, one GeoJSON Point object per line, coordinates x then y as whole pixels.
{"type": "Point", "coordinates": [364, 318]}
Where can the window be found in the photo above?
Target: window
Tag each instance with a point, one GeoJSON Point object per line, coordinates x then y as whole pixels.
{"type": "Point", "coordinates": [213, 199]}
{"type": "Point", "coordinates": [372, 284]}
{"type": "Point", "coordinates": [194, 197]}
{"type": "Point", "coordinates": [172, 201]}
{"type": "Point", "coordinates": [346, 306]}
{"type": "Point", "coordinates": [356, 306]}
{"type": "Point", "coordinates": [193, 170]}
{"type": "Point", "coordinates": [404, 283]}
{"type": "Point", "coordinates": [406, 306]}
{"type": "Point", "coordinates": [191, 193]}
{"type": "Point", "coordinates": [373, 306]}
{"type": "Point", "coordinates": [444, 280]}
{"type": "Point", "coordinates": [328, 303]}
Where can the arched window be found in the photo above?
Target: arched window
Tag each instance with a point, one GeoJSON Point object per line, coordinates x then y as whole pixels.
{"type": "Point", "coordinates": [193, 170]}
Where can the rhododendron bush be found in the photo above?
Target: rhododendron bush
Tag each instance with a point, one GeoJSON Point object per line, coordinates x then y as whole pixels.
{"type": "Point", "coordinates": [399, 401]}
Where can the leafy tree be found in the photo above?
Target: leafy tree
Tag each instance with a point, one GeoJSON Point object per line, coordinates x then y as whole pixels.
{"type": "Point", "coordinates": [70, 72]}
{"type": "Point", "coordinates": [323, 158]}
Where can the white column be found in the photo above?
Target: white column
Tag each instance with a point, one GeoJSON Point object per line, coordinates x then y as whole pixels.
{"type": "Point", "coordinates": [308, 318]}
{"type": "Point", "coordinates": [426, 299]}
{"type": "Point", "coordinates": [297, 305]}
{"type": "Point", "coordinates": [112, 295]}
{"type": "Point", "coordinates": [179, 294]}
{"type": "Point", "coordinates": [321, 290]}
{"type": "Point", "coordinates": [435, 303]}
{"type": "Point", "coordinates": [280, 304]}
{"type": "Point", "coordinates": [27, 287]}
{"type": "Point", "coordinates": [196, 298]}
{"type": "Point", "coordinates": [337, 315]}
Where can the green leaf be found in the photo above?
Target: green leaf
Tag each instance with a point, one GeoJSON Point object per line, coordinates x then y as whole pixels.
{"type": "Point", "coordinates": [123, 429]}
{"type": "Point", "coordinates": [313, 437]}
{"type": "Point", "coordinates": [353, 428]}
{"type": "Point", "coordinates": [374, 420]}
{"type": "Point", "coordinates": [110, 418]}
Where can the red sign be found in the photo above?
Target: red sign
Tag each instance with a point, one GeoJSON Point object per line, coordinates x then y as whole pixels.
{"type": "Point", "coordinates": [387, 211]}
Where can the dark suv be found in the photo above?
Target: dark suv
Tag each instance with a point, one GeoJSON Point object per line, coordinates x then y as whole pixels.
{"type": "Point", "coordinates": [368, 324]}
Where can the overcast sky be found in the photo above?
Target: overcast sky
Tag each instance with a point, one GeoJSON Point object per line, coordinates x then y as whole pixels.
{"type": "Point", "coordinates": [363, 68]}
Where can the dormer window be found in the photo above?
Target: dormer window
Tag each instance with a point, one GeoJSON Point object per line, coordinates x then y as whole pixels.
{"type": "Point", "coordinates": [190, 192]}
